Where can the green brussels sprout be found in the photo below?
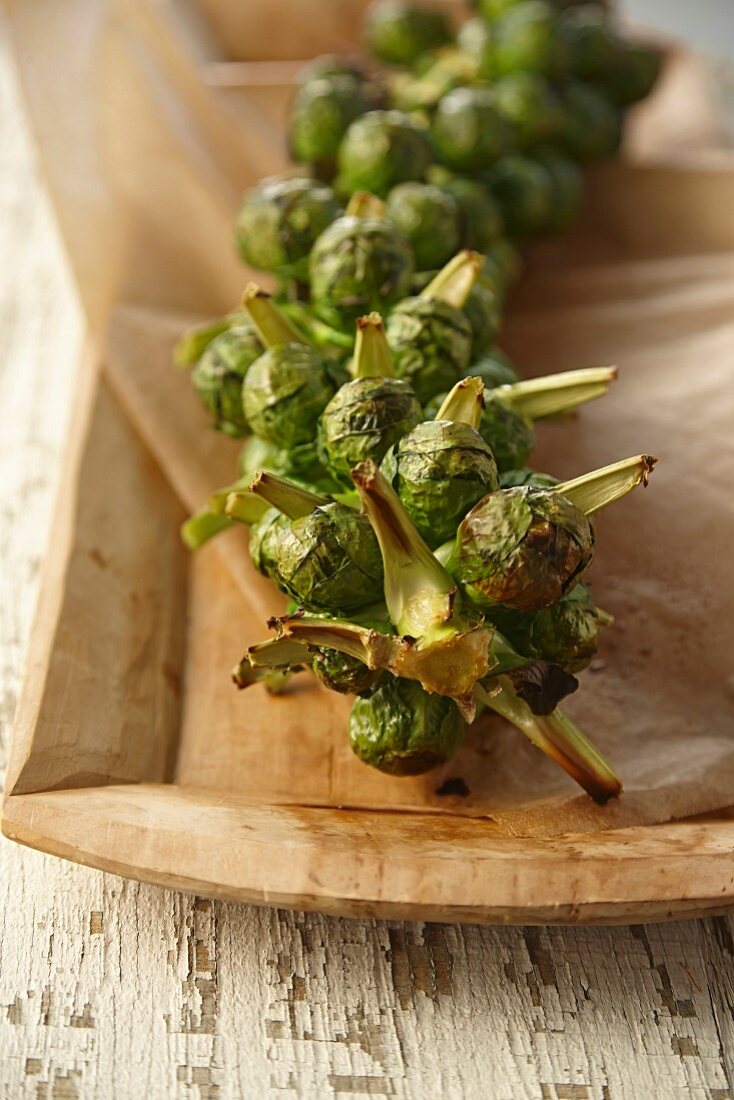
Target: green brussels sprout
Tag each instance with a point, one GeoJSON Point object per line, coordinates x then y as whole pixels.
{"type": "Point", "coordinates": [468, 132]}
{"type": "Point", "coordinates": [284, 394]}
{"type": "Point", "coordinates": [219, 375]}
{"type": "Point", "coordinates": [476, 40]}
{"type": "Point", "coordinates": [381, 149]}
{"type": "Point", "coordinates": [635, 73]}
{"type": "Point", "coordinates": [522, 547]}
{"type": "Point", "coordinates": [510, 478]}
{"type": "Point", "coordinates": [527, 36]}
{"type": "Point", "coordinates": [330, 561]}
{"type": "Point", "coordinates": [592, 44]}
{"type": "Point", "coordinates": [443, 467]}
{"type": "Point", "coordinates": [400, 729]}
{"type": "Point", "coordinates": [495, 369]}
{"type": "Point", "coordinates": [502, 266]}
{"type": "Point", "coordinates": [531, 106]}
{"type": "Point", "coordinates": [329, 65]}
{"type": "Point", "coordinates": [278, 222]}
{"type": "Point", "coordinates": [568, 189]}
{"type": "Point", "coordinates": [264, 543]}
{"type": "Point", "coordinates": [592, 125]}
{"type": "Point", "coordinates": [429, 218]}
{"type": "Point", "coordinates": [192, 343]}
{"type": "Point", "coordinates": [566, 634]}
{"type": "Point", "coordinates": [480, 218]}
{"type": "Point", "coordinates": [321, 112]}
{"type": "Point", "coordinates": [509, 433]}
{"type": "Point", "coordinates": [363, 419]}
{"type": "Point", "coordinates": [482, 309]}
{"type": "Point", "coordinates": [398, 33]}
{"type": "Point", "coordinates": [524, 190]}
{"type": "Point", "coordinates": [431, 344]}
{"type": "Point", "coordinates": [493, 9]}
{"type": "Point", "coordinates": [344, 674]}
{"type": "Point", "coordinates": [358, 265]}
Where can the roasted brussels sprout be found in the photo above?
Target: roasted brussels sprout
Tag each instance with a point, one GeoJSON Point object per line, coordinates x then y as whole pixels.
{"type": "Point", "coordinates": [635, 73]}
{"type": "Point", "coordinates": [381, 149]}
{"type": "Point", "coordinates": [264, 542]}
{"type": "Point", "coordinates": [482, 309]}
{"type": "Point", "coordinates": [568, 188]}
{"type": "Point", "coordinates": [495, 369]}
{"type": "Point", "coordinates": [510, 478]}
{"type": "Point", "coordinates": [502, 266]}
{"type": "Point", "coordinates": [329, 65]}
{"type": "Point", "coordinates": [532, 108]}
{"type": "Point", "coordinates": [220, 373]}
{"type": "Point", "coordinates": [429, 335]}
{"type": "Point", "coordinates": [359, 265]}
{"type": "Point", "coordinates": [592, 125]}
{"type": "Point", "coordinates": [468, 132]}
{"type": "Point", "coordinates": [399, 728]}
{"type": "Point", "coordinates": [443, 467]}
{"type": "Point", "coordinates": [476, 40]}
{"type": "Point", "coordinates": [321, 112]}
{"type": "Point", "coordinates": [524, 190]}
{"type": "Point", "coordinates": [430, 220]}
{"type": "Point", "coordinates": [278, 222]}
{"type": "Point", "coordinates": [367, 415]}
{"type": "Point", "coordinates": [566, 634]}
{"type": "Point", "coordinates": [507, 430]}
{"type": "Point", "coordinates": [344, 674]}
{"type": "Point", "coordinates": [398, 33]}
{"type": "Point", "coordinates": [480, 218]}
{"type": "Point", "coordinates": [527, 36]}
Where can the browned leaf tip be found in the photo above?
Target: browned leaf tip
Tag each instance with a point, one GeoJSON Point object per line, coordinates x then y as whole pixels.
{"type": "Point", "coordinates": [649, 463]}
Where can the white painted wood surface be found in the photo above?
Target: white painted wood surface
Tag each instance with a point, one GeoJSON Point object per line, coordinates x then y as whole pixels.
{"type": "Point", "coordinates": [109, 989]}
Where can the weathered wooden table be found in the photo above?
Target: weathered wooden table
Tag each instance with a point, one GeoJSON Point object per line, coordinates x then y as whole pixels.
{"type": "Point", "coordinates": [111, 989]}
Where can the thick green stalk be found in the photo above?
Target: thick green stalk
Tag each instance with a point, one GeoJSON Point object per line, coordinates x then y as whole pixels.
{"type": "Point", "coordinates": [362, 204]}
{"type": "Point", "coordinates": [559, 738]}
{"type": "Point", "coordinates": [454, 282]}
{"type": "Point", "coordinates": [372, 647]}
{"type": "Point", "coordinates": [419, 593]}
{"type": "Point", "coordinates": [557, 393]}
{"type": "Point", "coordinates": [597, 489]}
{"type": "Point", "coordinates": [289, 498]}
{"type": "Point", "coordinates": [272, 325]}
{"type": "Point", "coordinates": [372, 358]}
{"type": "Point", "coordinates": [253, 509]}
{"type": "Point", "coordinates": [190, 346]}
{"type": "Point", "coordinates": [202, 526]}
{"type": "Point", "coordinates": [465, 403]}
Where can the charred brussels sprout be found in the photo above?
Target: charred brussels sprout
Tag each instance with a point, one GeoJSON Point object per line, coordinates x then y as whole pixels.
{"type": "Point", "coordinates": [592, 44]}
{"type": "Point", "coordinates": [358, 265]}
{"type": "Point", "coordinates": [322, 110]}
{"type": "Point", "coordinates": [476, 40]}
{"type": "Point", "coordinates": [495, 369]}
{"type": "Point", "coordinates": [329, 65]}
{"type": "Point", "coordinates": [635, 74]}
{"type": "Point", "coordinates": [510, 478]}
{"type": "Point", "coordinates": [344, 674]}
{"type": "Point", "coordinates": [530, 105]}
{"type": "Point", "coordinates": [285, 392]}
{"type": "Point", "coordinates": [264, 544]}
{"type": "Point", "coordinates": [429, 218]}
{"type": "Point", "coordinates": [381, 149]}
{"type": "Point", "coordinates": [468, 132]}
{"type": "Point", "coordinates": [523, 548]}
{"type": "Point", "coordinates": [482, 309]}
{"type": "Point", "coordinates": [568, 188]}
{"type": "Point", "coordinates": [219, 375]}
{"type": "Point", "coordinates": [566, 634]}
{"type": "Point", "coordinates": [508, 432]}
{"type": "Point", "coordinates": [524, 191]}
{"type": "Point", "coordinates": [431, 344]}
{"type": "Point", "coordinates": [398, 33]}
{"type": "Point", "coordinates": [592, 126]}
{"type": "Point", "coordinates": [363, 419]}
{"type": "Point", "coordinates": [527, 36]}
{"type": "Point", "coordinates": [329, 560]}
{"type": "Point", "coordinates": [278, 222]}
{"type": "Point", "coordinates": [480, 218]}
{"type": "Point", "coordinates": [400, 729]}
{"type": "Point", "coordinates": [443, 467]}
{"type": "Point", "coordinates": [502, 266]}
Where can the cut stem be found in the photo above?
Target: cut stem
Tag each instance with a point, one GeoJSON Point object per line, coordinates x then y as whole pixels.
{"type": "Point", "coordinates": [597, 489]}
{"type": "Point", "coordinates": [372, 357]}
{"type": "Point", "coordinates": [419, 593]}
{"type": "Point", "coordinates": [371, 647]}
{"type": "Point", "coordinates": [559, 738]}
{"type": "Point", "coordinates": [202, 526]}
{"type": "Point", "coordinates": [464, 403]}
{"type": "Point", "coordinates": [192, 344]}
{"type": "Point", "coordinates": [454, 282]}
{"type": "Point", "coordinates": [362, 204]}
{"type": "Point", "coordinates": [289, 498]}
{"type": "Point", "coordinates": [272, 325]}
{"type": "Point", "coordinates": [557, 393]}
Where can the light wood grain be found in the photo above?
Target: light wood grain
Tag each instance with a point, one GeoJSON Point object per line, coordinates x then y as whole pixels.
{"type": "Point", "coordinates": [110, 989]}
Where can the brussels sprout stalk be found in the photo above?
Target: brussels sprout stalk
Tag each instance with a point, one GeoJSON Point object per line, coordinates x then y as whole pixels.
{"type": "Point", "coordinates": [464, 403]}
{"type": "Point", "coordinates": [558, 737]}
{"type": "Point", "coordinates": [594, 491]}
{"type": "Point", "coordinates": [536, 398]}
{"type": "Point", "coordinates": [372, 357]}
{"type": "Point", "coordinates": [262, 661]}
{"type": "Point", "coordinates": [362, 204]}
{"type": "Point", "coordinates": [443, 650]}
{"type": "Point", "coordinates": [454, 282]}
{"type": "Point", "coordinates": [202, 526]}
{"type": "Point", "coordinates": [272, 326]}
{"type": "Point", "coordinates": [290, 499]}
{"type": "Point", "coordinates": [192, 344]}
